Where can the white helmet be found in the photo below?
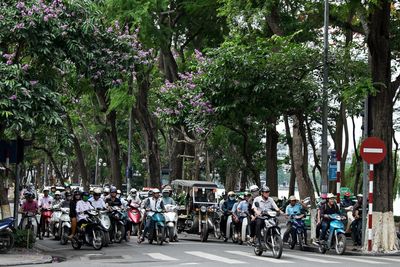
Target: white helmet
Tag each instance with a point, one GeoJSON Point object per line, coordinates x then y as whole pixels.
{"type": "Point", "coordinates": [57, 193]}
{"type": "Point", "coordinates": [118, 191]}
{"type": "Point", "coordinates": [107, 190]}
{"type": "Point", "coordinates": [156, 191]}
{"type": "Point", "coordinates": [97, 190]}
{"type": "Point", "coordinates": [254, 188]}
{"type": "Point", "coordinates": [133, 190]}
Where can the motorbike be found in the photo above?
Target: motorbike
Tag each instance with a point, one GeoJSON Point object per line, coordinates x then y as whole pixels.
{"type": "Point", "coordinates": [241, 231]}
{"type": "Point", "coordinates": [171, 220]}
{"type": "Point", "coordinates": [135, 217]}
{"type": "Point", "coordinates": [335, 235]}
{"type": "Point", "coordinates": [106, 223]}
{"type": "Point", "coordinates": [271, 236]}
{"type": "Point", "coordinates": [157, 232]}
{"type": "Point", "coordinates": [90, 233]}
{"type": "Point", "coordinates": [297, 234]}
{"type": "Point", "coordinates": [6, 234]}
{"type": "Point", "coordinates": [64, 226]}
{"type": "Point", "coordinates": [216, 221]}
{"type": "Point", "coordinates": [118, 217]}
{"type": "Point", "coordinates": [46, 218]}
{"type": "Point", "coordinates": [55, 221]}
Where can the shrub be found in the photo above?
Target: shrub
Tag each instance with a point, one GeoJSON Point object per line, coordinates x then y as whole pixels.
{"type": "Point", "coordinates": [21, 238]}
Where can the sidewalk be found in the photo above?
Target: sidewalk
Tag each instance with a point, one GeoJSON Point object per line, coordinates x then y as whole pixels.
{"type": "Point", "coordinates": [20, 256]}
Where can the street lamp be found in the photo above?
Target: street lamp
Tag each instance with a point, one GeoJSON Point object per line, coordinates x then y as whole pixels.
{"type": "Point", "coordinates": [100, 163]}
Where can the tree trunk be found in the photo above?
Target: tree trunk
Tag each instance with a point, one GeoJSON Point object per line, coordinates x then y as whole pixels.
{"type": "Point", "coordinates": [345, 151]}
{"type": "Point", "coordinates": [289, 140]}
{"type": "Point", "coordinates": [177, 151]}
{"type": "Point", "coordinates": [315, 156]}
{"type": "Point", "coordinates": [304, 183]}
{"type": "Point", "coordinates": [79, 154]}
{"type": "Point", "coordinates": [382, 123]}
{"type": "Point", "coordinates": [271, 157]}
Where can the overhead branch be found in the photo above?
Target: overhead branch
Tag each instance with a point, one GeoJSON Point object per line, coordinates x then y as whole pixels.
{"type": "Point", "coordinates": [52, 160]}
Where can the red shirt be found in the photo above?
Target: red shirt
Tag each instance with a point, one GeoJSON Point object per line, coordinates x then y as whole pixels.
{"type": "Point", "coordinates": [30, 206]}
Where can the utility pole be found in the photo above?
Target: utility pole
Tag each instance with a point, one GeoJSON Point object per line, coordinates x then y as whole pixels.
{"type": "Point", "coordinates": [365, 174]}
{"type": "Point", "coordinates": [129, 163]}
{"type": "Point", "coordinates": [324, 152]}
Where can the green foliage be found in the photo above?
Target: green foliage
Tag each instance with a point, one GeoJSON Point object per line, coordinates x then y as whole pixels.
{"type": "Point", "coordinates": [24, 238]}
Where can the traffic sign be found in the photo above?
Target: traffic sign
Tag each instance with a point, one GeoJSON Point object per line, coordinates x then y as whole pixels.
{"type": "Point", "coordinates": [373, 150]}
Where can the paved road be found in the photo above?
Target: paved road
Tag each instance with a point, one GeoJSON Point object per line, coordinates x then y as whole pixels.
{"type": "Point", "coordinates": [189, 251]}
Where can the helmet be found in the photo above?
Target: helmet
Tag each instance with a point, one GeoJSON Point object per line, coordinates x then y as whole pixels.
{"type": "Point", "coordinates": [46, 189]}
{"type": "Point", "coordinates": [76, 192]}
{"type": "Point", "coordinates": [360, 195]}
{"type": "Point", "coordinates": [53, 187]}
{"type": "Point", "coordinates": [265, 189]}
{"type": "Point", "coordinates": [291, 198]}
{"type": "Point", "coordinates": [91, 189]}
{"type": "Point", "coordinates": [231, 193]}
{"type": "Point", "coordinates": [107, 190]}
{"type": "Point", "coordinates": [254, 188]}
{"type": "Point", "coordinates": [150, 193]}
{"type": "Point", "coordinates": [68, 194]}
{"type": "Point", "coordinates": [57, 193]}
{"type": "Point", "coordinates": [347, 194]}
{"type": "Point", "coordinates": [97, 191]}
{"type": "Point", "coordinates": [247, 194]}
{"type": "Point", "coordinates": [85, 194]}
{"type": "Point", "coordinates": [113, 190]}
{"type": "Point", "coordinates": [118, 191]}
{"type": "Point", "coordinates": [155, 191]}
{"type": "Point", "coordinates": [165, 191]}
{"type": "Point", "coordinates": [330, 195]}
{"type": "Point", "coordinates": [240, 196]}
{"type": "Point", "coordinates": [29, 194]}
{"type": "Point", "coordinates": [133, 190]}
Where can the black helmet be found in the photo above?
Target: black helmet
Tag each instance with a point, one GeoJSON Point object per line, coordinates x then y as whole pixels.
{"type": "Point", "coordinates": [85, 194]}
{"type": "Point", "coordinates": [76, 192]}
{"type": "Point", "coordinates": [67, 194]}
{"type": "Point", "coordinates": [113, 190]}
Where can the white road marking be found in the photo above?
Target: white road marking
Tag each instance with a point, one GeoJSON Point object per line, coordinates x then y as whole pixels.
{"type": "Point", "coordinates": [247, 254]}
{"type": "Point", "coordinates": [213, 257]}
{"type": "Point", "coordinates": [159, 256]}
{"type": "Point", "coordinates": [311, 258]}
{"type": "Point", "coordinates": [386, 259]}
{"type": "Point", "coordinates": [356, 259]}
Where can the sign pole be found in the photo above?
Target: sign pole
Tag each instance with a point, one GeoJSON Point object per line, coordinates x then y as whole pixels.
{"type": "Point", "coordinates": [338, 174]}
{"type": "Point", "coordinates": [370, 204]}
{"type": "Point", "coordinates": [16, 196]}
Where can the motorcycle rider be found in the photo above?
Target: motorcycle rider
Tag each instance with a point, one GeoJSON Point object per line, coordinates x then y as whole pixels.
{"type": "Point", "coordinates": [357, 223]}
{"type": "Point", "coordinates": [261, 204]}
{"type": "Point", "coordinates": [254, 191]}
{"type": "Point", "coordinates": [166, 197]}
{"type": "Point", "coordinates": [329, 208]}
{"type": "Point", "coordinates": [106, 193]}
{"type": "Point", "coordinates": [113, 201]}
{"type": "Point", "coordinates": [227, 210]}
{"type": "Point", "coordinates": [132, 199]}
{"type": "Point", "coordinates": [294, 208]}
{"type": "Point", "coordinates": [45, 203]}
{"type": "Point", "coordinates": [82, 206]}
{"type": "Point", "coordinates": [30, 205]}
{"type": "Point", "coordinates": [66, 202]}
{"type": "Point", "coordinates": [53, 190]}
{"type": "Point", "coordinates": [57, 199]}
{"type": "Point", "coordinates": [72, 213]}
{"type": "Point", "coordinates": [223, 199]}
{"type": "Point", "coordinates": [347, 205]}
{"type": "Point", "coordinates": [151, 206]}
{"type": "Point", "coordinates": [346, 202]}
{"type": "Point", "coordinates": [96, 201]}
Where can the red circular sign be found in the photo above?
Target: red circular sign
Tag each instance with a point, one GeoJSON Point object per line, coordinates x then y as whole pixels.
{"type": "Point", "coordinates": [373, 150]}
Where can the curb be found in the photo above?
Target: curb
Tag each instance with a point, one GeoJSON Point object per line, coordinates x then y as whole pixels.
{"type": "Point", "coordinates": [39, 260]}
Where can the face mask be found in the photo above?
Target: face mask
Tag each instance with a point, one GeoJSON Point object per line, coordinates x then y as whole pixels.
{"type": "Point", "coordinates": [85, 198]}
{"type": "Point", "coordinates": [232, 198]}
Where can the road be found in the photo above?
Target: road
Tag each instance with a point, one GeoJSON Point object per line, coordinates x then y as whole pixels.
{"type": "Point", "coordinates": [189, 251]}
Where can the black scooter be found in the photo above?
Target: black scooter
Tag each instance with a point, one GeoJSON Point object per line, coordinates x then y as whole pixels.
{"type": "Point", "coordinates": [90, 233]}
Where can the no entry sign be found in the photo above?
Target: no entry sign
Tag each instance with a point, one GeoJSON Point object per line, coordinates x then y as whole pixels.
{"type": "Point", "coordinates": [373, 150]}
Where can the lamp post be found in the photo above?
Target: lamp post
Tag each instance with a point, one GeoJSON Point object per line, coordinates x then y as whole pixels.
{"type": "Point", "coordinates": [100, 164]}
{"type": "Point", "coordinates": [144, 162]}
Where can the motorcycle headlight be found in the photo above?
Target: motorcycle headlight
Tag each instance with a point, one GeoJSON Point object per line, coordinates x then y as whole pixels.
{"type": "Point", "coordinates": [203, 209]}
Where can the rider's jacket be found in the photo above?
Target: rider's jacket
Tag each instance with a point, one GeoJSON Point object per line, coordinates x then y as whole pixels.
{"type": "Point", "coordinates": [82, 206]}
{"type": "Point", "coordinates": [30, 206]}
{"type": "Point", "coordinates": [264, 204]}
{"type": "Point", "coordinates": [168, 201]}
{"type": "Point", "coordinates": [326, 209]}
{"type": "Point", "coordinates": [243, 208]}
{"type": "Point", "coordinates": [112, 203]}
{"type": "Point", "coordinates": [134, 200]}
{"type": "Point", "coordinates": [295, 209]}
{"type": "Point", "coordinates": [228, 205]}
{"type": "Point", "coordinates": [56, 202]}
{"type": "Point", "coordinates": [45, 202]}
{"type": "Point", "coordinates": [98, 204]}
{"type": "Point", "coordinates": [153, 204]}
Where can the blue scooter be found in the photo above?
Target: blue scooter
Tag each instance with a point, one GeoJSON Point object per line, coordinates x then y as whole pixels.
{"type": "Point", "coordinates": [6, 234]}
{"type": "Point", "coordinates": [298, 231]}
{"type": "Point", "coordinates": [336, 235]}
{"type": "Point", "coordinates": [157, 230]}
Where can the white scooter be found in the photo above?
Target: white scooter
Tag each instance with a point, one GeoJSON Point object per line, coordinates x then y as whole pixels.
{"type": "Point", "coordinates": [55, 221]}
{"type": "Point", "coordinates": [171, 220]}
{"type": "Point", "coordinates": [106, 223]}
{"type": "Point", "coordinates": [64, 226]}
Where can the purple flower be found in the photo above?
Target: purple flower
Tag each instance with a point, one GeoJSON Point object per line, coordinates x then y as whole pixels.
{"type": "Point", "coordinates": [25, 67]}
{"type": "Point", "coordinates": [33, 83]}
{"type": "Point", "coordinates": [20, 25]}
{"type": "Point", "coordinates": [9, 62]}
{"type": "Point", "coordinates": [13, 97]}
{"type": "Point", "coordinates": [46, 18]}
{"type": "Point", "coordinates": [20, 5]}
{"type": "Point", "coordinates": [110, 29]}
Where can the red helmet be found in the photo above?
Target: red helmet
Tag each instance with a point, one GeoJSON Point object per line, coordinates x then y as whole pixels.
{"type": "Point", "coordinates": [347, 194]}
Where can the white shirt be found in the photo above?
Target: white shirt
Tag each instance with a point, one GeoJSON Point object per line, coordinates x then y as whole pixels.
{"type": "Point", "coordinates": [46, 202]}
{"type": "Point", "coordinates": [153, 205]}
{"type": "Point", "coordinates": [82, 206]}
{"type": "Point", "coordinates": [98, 204]}
{"type": "Point", "coordinates": [264, 205]}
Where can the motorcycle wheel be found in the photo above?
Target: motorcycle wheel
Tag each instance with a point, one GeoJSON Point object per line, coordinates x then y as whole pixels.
{"type": "Point", "coordinates": [76, 244]}
{"type": "Point", "coordinates": [64, 235]}
{"type": "Point", "coordinates": [258, 251]}
{"type": "Point", "coordinates": [106, 240]}
{"type": "Point", "coordinates": [135, 230]}
{"type": "Point", "coordinates": [322, 248]}
{"type": "Point", "coordinates": [277, 246]}
{"type": "Point", "coordinates": [160, 235]}
{"type": "Point", "coordinates": [97, 242]}
{"type": "Point", "coordinates": [340, 246]}
{"type": "Point", "coordinates": [171, 234]}
{"type": "Point", "coordinates": [217, 231]}
{"type": "Point", "coordinates": [7, 241]}
{"type": "Point", "coordinates": [120, 233]}
{"type": "Point", "coordinates": [204, 234]}
{"type": "Point", "coordinates": [292, 241]}
{"type": "Point", "coordinates": [300, 239]}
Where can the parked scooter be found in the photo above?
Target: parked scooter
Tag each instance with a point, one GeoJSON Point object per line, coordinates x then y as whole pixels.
{"type": "Point", "coordinates": [55, 221]}
{"type": "Point", "coordinates": [135, 217]}
{"type": "Point", "coordinates": [65, 226]}
{"type": "Point", "coordinates": [171, 220]}
{"type": "Point", "coordinates": [335, 235]}
{"type": "Point", "coordinates": [90, 233]}
{"type": "Point", "coordinates": [6, 234]}
{"type": "Point", "coordinates": [157, 233]}
{"type": "Point", "coordinates": [298, 231]}
{"type": "Point", "coordinates": [271, 234]}
{"type": "Point", "coordinates": [118, 217]}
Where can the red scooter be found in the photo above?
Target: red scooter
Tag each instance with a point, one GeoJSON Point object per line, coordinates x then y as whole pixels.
{"type": "Point", "coordinates": [135, 217]}
{"type": "Point", "coordinates": [46, 219]}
